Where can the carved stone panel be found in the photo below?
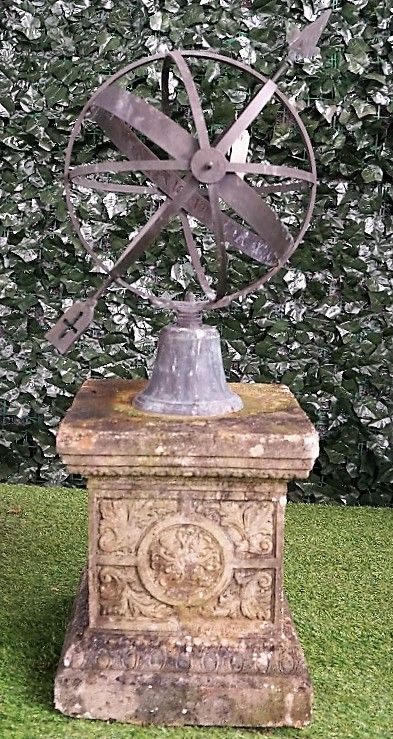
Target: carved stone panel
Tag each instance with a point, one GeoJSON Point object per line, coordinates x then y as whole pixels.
{"type": "Point", "coordinates": [155, 565]}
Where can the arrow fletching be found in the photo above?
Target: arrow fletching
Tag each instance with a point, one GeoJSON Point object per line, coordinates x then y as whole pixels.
{"type": "Point", "coordinates": [304, 44]}
{"type": "Point", "coordinates": [71, 325]}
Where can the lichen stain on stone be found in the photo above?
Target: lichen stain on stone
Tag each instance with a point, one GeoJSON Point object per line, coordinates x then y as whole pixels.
{"type": "Point", "coordinates": [257, 398]}
{"type": "Point", "coordinates": [102, 414]}
{"type": "Point", "coordinates": [257, 450]}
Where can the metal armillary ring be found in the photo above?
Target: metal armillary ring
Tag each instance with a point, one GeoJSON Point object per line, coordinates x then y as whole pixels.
{"type": "Point", "coordinates": [195, 177]}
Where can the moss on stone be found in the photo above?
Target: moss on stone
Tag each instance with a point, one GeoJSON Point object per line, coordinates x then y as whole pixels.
{"type": "Point", "coordinates": [257, 398]}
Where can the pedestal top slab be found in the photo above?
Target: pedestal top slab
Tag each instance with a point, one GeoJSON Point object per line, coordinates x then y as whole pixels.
{"type": "Point", "coordinates": [102, 423]}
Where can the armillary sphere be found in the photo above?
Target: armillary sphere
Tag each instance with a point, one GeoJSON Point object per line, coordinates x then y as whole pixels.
{"type": "Point", "coordinates": [195, 177]}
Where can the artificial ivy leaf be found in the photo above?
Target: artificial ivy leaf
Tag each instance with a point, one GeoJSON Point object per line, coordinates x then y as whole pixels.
{"type": "Point", "coordinates": [56, 93]}
{"type": "Point", "coordinates": [357, 55]}
{"type": "Point", "coordinates": [29, 25]}
{"type": "Point", "coordinates": [372, 173]}
{"type": "Point", "coordinates": [362, 108]}
{"type": "Point", "coordinates": [31, 100]}
{"type": "Point", "coordinates": [328, 111]}
{"type": "Point", "coordinates": [171, 6]}
{"type": "Point", "coordinates": [156, 21]}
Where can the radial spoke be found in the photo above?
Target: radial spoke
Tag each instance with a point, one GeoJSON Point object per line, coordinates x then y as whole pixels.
{"type": "Point", "coordinates": [193, 97]}
{"type": "Point", "coordinates": [289, 187]}
{"type": "Point", "coordinates": [271, 169]}
{"type": "Point", "coordinates": [149, 232]}
{"type": "Point", "coordinates": [250, 112]}
{"type": "Point", "coordinates": [144, 237]}
{"type": "Point", "coordinates": [127, 166]}
{"type": "Point", "coordinates": [195, 259]}
{"type": "Point", "coordinates": [219, 238]}
{"type": "Point", "coordinates": [115, 187]}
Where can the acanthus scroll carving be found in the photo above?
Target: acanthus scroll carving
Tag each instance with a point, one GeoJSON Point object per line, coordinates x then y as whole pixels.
{"type": "Point", "coordinates": [249, 525]}
{"type": "Point", "coordinates": [249, 595]}
{"type": "Point", "coordinates": [256, 596]}
{"type": "Point", "coordinates": [122, 594]}
{"type": "Point", "coordinates": [121, 522]}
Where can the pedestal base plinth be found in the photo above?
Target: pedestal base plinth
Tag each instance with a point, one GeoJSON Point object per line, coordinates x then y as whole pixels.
{"type": "Point", "coordinates": [185, 620]}
{"type": "Point", "coordinates": [144, 678]}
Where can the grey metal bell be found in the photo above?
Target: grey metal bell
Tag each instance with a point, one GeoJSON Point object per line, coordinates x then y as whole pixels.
{"type": "Point", "coordinates": [188, 375]}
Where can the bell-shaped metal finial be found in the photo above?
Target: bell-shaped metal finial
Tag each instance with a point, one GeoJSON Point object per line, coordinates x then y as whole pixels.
{"type": "Point", "coordinates": [188, 375]}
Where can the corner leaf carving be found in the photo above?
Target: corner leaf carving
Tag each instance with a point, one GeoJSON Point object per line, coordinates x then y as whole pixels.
{"type": "Point", "coordinates": [249, 595]}
{"type": "Point", "coordinates": [113, 526]}
{"type": "Point", "coordinates": [122, 594]}
{"type": "Point", "coordinates": [121, 522]}
{"type": "Point", "coordinates": [249, 525]}
{"type": "Point", "coordinates": [256, 596]}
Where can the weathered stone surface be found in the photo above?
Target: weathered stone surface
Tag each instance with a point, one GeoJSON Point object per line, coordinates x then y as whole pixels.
{"type": "Point", "coordinates": [145, 678]}
{"type": "Point", "coordinates": [186, 616]}
{"type": "Point", "coordinates": [271, 434]}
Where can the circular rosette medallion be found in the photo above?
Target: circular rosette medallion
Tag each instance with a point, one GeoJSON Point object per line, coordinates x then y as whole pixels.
{"type": "Point", "coordinates": [185, 560]}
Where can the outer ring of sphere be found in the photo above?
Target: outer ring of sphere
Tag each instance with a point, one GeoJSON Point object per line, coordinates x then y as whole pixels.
{"type": "Point", "coordinates": [226, 299]}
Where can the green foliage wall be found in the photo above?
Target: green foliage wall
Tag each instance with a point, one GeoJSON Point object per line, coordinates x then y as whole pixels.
{"type": "Point", "coordinates": [322, 326]}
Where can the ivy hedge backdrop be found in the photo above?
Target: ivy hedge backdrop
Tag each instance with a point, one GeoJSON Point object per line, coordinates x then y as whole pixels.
{"type": "Point", "coordinates": [322, 326]}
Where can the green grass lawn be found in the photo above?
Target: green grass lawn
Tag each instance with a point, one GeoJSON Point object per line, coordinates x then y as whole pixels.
{"type": "Point", "coordinates": [338, 580]}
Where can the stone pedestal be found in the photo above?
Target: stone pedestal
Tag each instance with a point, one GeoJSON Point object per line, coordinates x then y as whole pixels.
{"type": "Point", "coordinates": [181, 618]}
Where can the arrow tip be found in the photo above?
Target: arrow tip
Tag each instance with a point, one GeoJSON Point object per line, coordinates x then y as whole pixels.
{"type": "Point", "coordinates": [304, 45]}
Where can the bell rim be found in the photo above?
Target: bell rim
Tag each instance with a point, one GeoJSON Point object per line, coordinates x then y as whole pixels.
{"type": "Point", "coordinates": [230, 403]}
